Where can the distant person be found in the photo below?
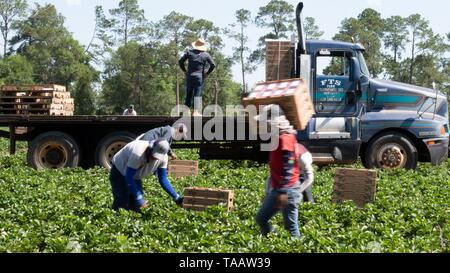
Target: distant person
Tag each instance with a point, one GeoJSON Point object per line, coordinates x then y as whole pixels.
{"type": "Point", "coordinates": [130, 111]}
{"type": "Point", "coordinates": [135, 161]}
{"type": "Point", "coordinates": [169, 133]}
{"type": "Point", "coordinates": [195, 74]}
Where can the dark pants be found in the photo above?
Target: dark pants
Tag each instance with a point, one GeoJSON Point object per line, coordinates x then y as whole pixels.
{"type": "Point", "coordinates": [122, 197]}
{"type": "Point", "coordinates": [194, 87]}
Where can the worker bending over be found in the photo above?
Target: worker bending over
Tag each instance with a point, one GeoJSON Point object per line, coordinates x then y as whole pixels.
{"type": "Point", "coordinates": [135, 161]}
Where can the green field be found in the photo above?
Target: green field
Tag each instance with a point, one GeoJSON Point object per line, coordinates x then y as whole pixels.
{"type": "Point", "coordinates": [69, 211]}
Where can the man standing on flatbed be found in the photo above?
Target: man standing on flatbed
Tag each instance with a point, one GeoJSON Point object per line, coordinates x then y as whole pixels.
{"type": "Point", "coordinates": [195, 74]}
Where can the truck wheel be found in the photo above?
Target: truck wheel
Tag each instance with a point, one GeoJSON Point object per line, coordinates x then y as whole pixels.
{"type": "Point", "coordinates": [109, 146]}
{"type": "Point", "coordinates": [391, 151]}
{"type": "Point", "coordinates": [53, 150]}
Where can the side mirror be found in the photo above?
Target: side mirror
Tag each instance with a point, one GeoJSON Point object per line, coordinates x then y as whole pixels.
{"type": "Point", "coordinates": [355, 70]}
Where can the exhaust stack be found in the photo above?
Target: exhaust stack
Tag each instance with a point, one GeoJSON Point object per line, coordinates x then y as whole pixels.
{"type": "Point", "coordinates": [300, 29]}
{"type": "Point", "coordinates": [302, 60]}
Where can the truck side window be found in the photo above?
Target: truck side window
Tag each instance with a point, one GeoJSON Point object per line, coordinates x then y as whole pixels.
{"type": "Point", "coordinates": [335, 64]}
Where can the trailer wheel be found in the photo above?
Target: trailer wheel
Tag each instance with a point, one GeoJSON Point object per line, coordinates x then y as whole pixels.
{"type": "Point", "coordinates": [391, 151]}
{"type": "Point", "coordinates": [109, 146]}
{"type": "Point", "coordinates": [53, 150]}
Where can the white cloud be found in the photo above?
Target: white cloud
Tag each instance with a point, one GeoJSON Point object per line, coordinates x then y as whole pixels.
{"type": "Point", "coordinates": [374, 3]}
{"type": "Point", "coordinates": [71, 3]}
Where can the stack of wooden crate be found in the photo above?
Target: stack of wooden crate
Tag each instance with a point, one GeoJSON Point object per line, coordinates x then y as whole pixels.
{"type": "Point", "coordinates": [199, 199]}
{"type": "Point", "coordinates": [356, 185]}
{"type": "Point", "coordinates": [48, 99]}
{"type": "Point", "coordinates": [279, 60]}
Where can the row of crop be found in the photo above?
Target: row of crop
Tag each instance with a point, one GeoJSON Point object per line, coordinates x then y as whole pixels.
{"type": "Point", "coordinates": [69, 211]}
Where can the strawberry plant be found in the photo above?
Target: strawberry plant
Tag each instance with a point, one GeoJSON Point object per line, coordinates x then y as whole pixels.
{"type": "Point", "coordinates": [69, 211]}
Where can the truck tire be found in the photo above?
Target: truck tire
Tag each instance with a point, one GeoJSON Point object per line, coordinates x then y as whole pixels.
{"type": "Point", "coordinates": [110, 145]}
{"type": "Point", "coordinates": [391, 151]}
{"type": "Point", "coordinates": [53, 150]}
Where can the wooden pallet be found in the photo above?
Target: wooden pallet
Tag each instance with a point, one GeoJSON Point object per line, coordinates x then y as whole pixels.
{"type": "Point", "coordinates": [182, 168]}
{"type": "Point", "coordinates": [48, 99]}
{"type": "Point", "coordinates": [199, 199]}
{"type": "Point", "coordinates": [356, 185]}
{"type": "Point", "coordinates": [292, 95]}
{"type": "Point", "coordinates": [37, 112]}
{"type": "Point", "coordinates": [33, 87]}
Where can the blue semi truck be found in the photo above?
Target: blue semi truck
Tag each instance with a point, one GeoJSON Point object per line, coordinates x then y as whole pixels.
{"type": "Point", "coordinates": [387, 124]}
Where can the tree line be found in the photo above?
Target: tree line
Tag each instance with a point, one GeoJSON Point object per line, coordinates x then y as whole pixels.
{"type": "Point", "coordinates": [131, 60]}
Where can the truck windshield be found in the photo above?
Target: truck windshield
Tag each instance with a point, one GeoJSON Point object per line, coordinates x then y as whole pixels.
{"type": "Point", "coordinates": [363, 64]}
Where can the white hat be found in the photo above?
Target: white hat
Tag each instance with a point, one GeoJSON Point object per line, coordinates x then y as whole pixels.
{"type": "Point", "coordinates": [199, 45]}
{"type": "Point", "coordinates": [160, 149]}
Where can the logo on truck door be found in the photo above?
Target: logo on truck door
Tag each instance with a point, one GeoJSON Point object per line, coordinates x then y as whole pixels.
{"type": "Point", "coordinates": [331, 90]}
{"type": "Point", "coordinates": [331, 85]}
{"type": "Point", "coordinates": [332, 82]}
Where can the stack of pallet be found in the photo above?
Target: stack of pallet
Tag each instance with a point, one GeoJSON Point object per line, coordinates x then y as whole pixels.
{"type": "Point", "coordinates": [279, 60]}
{"type": "Point", "coordinates": [358, 186]}
{"type": "Point", "coordinates": [46, 99]}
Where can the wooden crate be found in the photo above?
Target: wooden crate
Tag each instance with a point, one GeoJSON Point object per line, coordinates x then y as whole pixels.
{"type": "Point", "coordinates": [356, 185]}
{"type": "Point", "coordinates": [279, 62]}
{"type": "Point", "coordinates": [292, 95]}
{"type": "Point", "coordinates": [182, 168]}
{"type": "Point", "coordinates": [199, 199]}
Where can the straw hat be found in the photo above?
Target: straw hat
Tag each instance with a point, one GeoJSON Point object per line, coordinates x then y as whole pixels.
{"type": "Point", "coordinates": [199, 45]}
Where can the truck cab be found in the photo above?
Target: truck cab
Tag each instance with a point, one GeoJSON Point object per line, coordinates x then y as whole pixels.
{"type": "Point", "coordinates": [387, 124]}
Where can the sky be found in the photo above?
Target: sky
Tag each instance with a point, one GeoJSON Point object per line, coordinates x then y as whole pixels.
{"type": "Point", "coordinates": [80, 15]}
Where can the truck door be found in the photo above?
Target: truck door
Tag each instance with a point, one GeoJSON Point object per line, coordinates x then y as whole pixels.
{"type": "Point", "coordinates": [334, 97]}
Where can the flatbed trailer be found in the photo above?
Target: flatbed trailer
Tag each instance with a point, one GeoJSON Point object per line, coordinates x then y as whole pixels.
{"type": "Point", "coordinates": [86, 141]}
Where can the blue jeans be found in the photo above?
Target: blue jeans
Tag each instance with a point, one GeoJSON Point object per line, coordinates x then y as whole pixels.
{"type": "Point", "coordinates": [121, 195]}
{"type": "Point", "coordinates": [290, 213]}
{"type": "Point", "coordinates": [194, 87]}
